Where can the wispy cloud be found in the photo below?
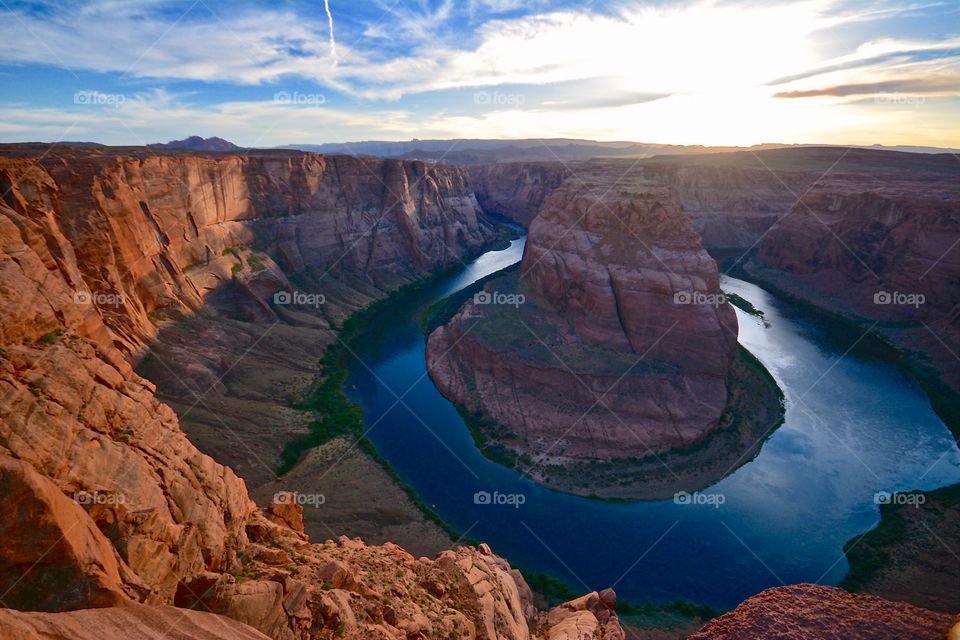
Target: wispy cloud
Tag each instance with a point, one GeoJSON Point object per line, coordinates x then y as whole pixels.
{"type": "Point", "coordinates": [930, 86]}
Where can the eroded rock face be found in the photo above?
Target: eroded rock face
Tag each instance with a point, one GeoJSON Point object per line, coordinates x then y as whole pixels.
{"type": "Point", "coordinates": [139, 234]}
{"type": "Point", "coordinates": [93, 245]}
{"type": "Point", "coordinates": [345, 588]}
{"type": "Point", "coordinates": [731, 205]}
{"type": "Point", "coordinates": [97, 473]}
{"type": "Point", "coordinates": [879, 255]}
{"type": "Point", "coordinates": [590, 616]}
{"type": "Point", "coordinates": [623, 270]}
{"type": "Point", "coordinates": [516, 190]}
{"type": "Point", "coordinates": [130, 621]}
{"type": "Point", "coordinates": [623, 343]}
{"type": "Point", "coordinates": [813, 611]}
{"type": "Point", "coordinates": [52, 556]}
{"type": "Point", "coordinates": [731, 199]}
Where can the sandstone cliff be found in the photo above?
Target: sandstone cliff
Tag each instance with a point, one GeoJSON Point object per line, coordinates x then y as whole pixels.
{"type": "Point", "coordinates": [105, 500]}
{"type": "Point", "coordinates": [881, 246]}
{"type": "Point", "coordinates": [103, 247]}
{"type": "Point", "coordinates": [516, 190]}
{"type": "Point", "coordinates": [162, 232]}
{"type": "Point", "coordinates": [730, 203]}
{"type": "Point", "coordinates": [622, 344]}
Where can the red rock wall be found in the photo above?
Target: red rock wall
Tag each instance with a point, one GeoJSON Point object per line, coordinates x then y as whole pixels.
{"type": "Point", "coordinates": [516, 190]}
{"type": "Point", "coordinates": [607, 276]}
{"type": "Point", "coordinates": [123, 231]}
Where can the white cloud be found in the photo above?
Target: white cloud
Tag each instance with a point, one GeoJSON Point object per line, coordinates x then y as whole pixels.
{"type": "Point", "coordinates": [715, 61]}
{"type": "Point", "coordinates": [692, 47]}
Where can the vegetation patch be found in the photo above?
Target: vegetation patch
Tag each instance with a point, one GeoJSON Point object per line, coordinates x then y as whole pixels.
{"type": "Point", "coordinates": [872, 552]}
{"type": "Point", "coordinates": [744, 305]}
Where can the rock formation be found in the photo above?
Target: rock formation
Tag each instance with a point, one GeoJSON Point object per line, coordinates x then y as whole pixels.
{"type": "Point", "coordinates": [812, 611]}
{"type": "Point", "coordinates": [145, 234]}
{"type": "Point", "coordinates": [111, 515]}
{"type": "Point", "coordinates": [622, 344]}
{"type": "Point", "coordinates": [731, 199]}
{"type": "Point", "coordinates": [110, 246]}
{"type": "Point", "coordinates": [516, 190]}
{"type": "Point", "coordinates": [105, 500]}
{"type": "Point", "coordinates": [130, 621]}
{"type": "Point", "coordinates": [883, 252]}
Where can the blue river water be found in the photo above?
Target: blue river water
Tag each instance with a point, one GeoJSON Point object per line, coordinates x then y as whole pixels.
{"type": "Point", "coordinates": [854, 426]}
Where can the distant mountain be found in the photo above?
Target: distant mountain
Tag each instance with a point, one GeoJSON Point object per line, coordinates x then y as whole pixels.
{"type": "Point", "coordinates": [196, 143]}
{"type": "Point", "coordinates": [479, 151]}
{"type": "Point", "coordinates": [912, 149]}
{"type": "Point", "coordinates": [80, 143]}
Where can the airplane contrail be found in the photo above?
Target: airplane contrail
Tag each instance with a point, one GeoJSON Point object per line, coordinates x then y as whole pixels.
{"type": "Point", "coordinates": [333, 41]}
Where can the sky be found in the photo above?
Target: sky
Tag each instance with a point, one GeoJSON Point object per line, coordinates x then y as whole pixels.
{"type": "Point", "coordinates": [274, 72]}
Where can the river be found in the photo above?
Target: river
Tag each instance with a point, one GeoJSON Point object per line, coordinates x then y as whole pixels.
{"type": "Point", "coordinates": [854, 426]}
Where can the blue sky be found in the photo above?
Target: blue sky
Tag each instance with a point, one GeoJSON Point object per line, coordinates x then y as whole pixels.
{"type": "Point", "coordinates": [270, 73]}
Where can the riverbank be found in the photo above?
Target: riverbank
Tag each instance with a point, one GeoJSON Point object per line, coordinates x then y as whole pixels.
{"type": "Point", "coordinates": [910, 554]}
{"type": "Point", "coordinates": [342, 432]}
{"type": "Point", "coordinates": [427, 428]}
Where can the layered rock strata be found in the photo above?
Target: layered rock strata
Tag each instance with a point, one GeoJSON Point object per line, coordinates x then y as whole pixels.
{"type": "Point", "coordinates": [105, 500]}
{"type": "Point", "coordinates": [101, 248]}
{"type": "Point", "coordinates": [622, 343]}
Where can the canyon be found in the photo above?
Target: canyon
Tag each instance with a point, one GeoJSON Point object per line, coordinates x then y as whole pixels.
{"type": "Point", "coordinates": [867, 239]}
{"type": "Point", "coordinates": [603, 322]}
{"type": "Point", "coordinates": [621, 344]}
{"type": "Point", "coordinates": [830, 226]}
{"type": "Point", "coordinates": [113, 503]}
{"type": "Point", "coordinates": [122, 265]}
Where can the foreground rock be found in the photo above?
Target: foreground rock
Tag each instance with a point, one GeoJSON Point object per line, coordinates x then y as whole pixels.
{"type": "Point", "coordinates": [811, 611]}
{"type": "Point", "coordinates": [130, 621]}
{"type": "Point", "coordinates": [618, 343]}
{"type": "Point", "coordinates": [590, 616]}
